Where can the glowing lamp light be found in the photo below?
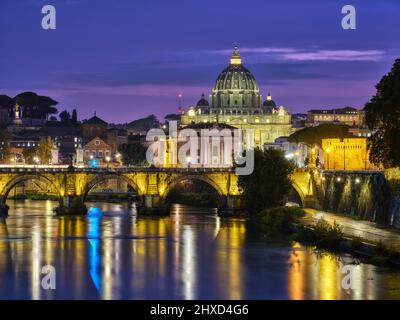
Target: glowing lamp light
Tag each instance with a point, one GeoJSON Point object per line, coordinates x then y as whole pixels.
{"type": "Point", "coordinates": [338, 179]}
{"type": "Point", "coordinates": [188, 159]}
{"type": "Point", "coordinates": [357, 180]}
{"type": "Point", "coordinates": [94, 163]}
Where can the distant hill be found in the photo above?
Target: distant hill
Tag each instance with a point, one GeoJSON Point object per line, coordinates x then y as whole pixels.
{"type": "Point", "coordinates": [144, 124]}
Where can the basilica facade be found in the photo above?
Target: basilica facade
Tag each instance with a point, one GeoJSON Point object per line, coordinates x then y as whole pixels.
{"type": "Point", "coordinates": [236, 101]}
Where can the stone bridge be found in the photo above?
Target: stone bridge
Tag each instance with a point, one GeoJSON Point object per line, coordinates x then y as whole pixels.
{"type": "Point", "coordinates": [72, 185]}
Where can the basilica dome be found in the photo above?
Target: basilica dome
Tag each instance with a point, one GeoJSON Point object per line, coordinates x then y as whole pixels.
{"type": "Point", "coordinates": [236, 86]}
{"type": "Point", "coordinates": [269, 105]}
{"type": "Point", "coordinates": [235, 76]}
{"type": "Point", "coordinates": [202, 102]}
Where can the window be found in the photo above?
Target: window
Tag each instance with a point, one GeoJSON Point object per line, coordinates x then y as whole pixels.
{"type": "Point", "coordinates": [100, 152]}
{"type": "Point", "coordinates": [97, 142]}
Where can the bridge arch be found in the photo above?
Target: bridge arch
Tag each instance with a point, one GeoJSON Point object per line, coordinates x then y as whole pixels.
{"type": "Point", "coordinates": [27, 177]}
{"type": "Point", "coordinates": [299, 192]}
{"type": "Point", "coordinates": [109, 176]}
{"type": "Point", "coordinates": [193, 177]}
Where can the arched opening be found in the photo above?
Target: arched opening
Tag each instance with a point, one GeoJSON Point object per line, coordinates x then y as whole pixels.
{"type": "Point", "coordinates": [30, 187]}
{"type": "Point", "coordinates": [194, 191]}
{"type": "Point", "coordinates": [294, 197]}
{"type": "Point", "coordinates": [111, 188]}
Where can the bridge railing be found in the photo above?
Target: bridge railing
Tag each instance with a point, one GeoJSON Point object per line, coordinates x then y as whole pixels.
{"type": "Point", "coordinates": [59, 169]}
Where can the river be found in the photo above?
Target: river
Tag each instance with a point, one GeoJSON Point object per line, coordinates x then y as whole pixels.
{"type": "Point", "coordinates": [191, 254]}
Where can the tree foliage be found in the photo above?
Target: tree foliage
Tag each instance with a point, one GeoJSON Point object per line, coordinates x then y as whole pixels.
{"type": "Point", "coordinates": [382, 113]}
{"type": "Point", "coordinates": [44, 150]}
{"type": "Point", "coordinates": [269, 183]}
{"type": "Point", "coordinates": [65, 117]}
{"type": "Point", "coordinates": [5, 138]}
{"type": "Point", "coordinates": [35, 106]}
{"type": "Point", "coordinates": [313, 135]}
{"type": "Point", "coordinates": [74, 117]}
{"type": "Point", "coordinates": [133, 153]}
{"type": "Point", "coordinates": [144, 124]}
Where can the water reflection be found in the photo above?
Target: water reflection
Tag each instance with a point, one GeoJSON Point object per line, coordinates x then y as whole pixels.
{"type": "Point", "coordinates": [191, 254]}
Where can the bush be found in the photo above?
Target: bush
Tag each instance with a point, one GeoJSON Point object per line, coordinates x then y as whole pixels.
{"type": "Point", "coordinates": [279, 221]}
{"type": "Point", "coordinates": [323, 235]}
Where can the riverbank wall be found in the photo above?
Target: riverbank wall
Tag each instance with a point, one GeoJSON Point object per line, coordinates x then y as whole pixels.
{"type": "Point", "coordinates": [366, 195]}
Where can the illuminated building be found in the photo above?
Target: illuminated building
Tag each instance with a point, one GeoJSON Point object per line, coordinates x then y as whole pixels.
{"type": "Point", "coordinates": [348, 116]}
{"type": "Point", "coordinates": [236, 100]}
{"type": "Point", "coordinates": [346, 154]}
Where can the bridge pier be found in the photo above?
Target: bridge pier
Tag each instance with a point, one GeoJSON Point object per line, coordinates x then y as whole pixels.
{"type": "Point", "coordinates": [4, 210]}
{"type": "Point", "coordinates": [71, 205]}
{"type": "Point", "coordinates": [152, 204]}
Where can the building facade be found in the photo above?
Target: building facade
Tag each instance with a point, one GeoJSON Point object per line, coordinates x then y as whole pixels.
{"type": "Point", "coordinates": [97, 149]}
{"type": "Point", "coordinates": [236, 101]}
{"type": "Point", "coordinates": [349, 116]}
{"type": "Point", "coordinates": [346, 154]}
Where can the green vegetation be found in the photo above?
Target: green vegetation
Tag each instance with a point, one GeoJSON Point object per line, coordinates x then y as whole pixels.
{"type": "Point", "coordinates": [35, 106]}
{"type": "Point", "coordinates": [133, 153]}
{"type": "Point", "coordinates": [278, 222]}
{"type": "Point", "coordinates": [42, 152]}
{"type": "Point", "coordinates": [323, 235]}
{"type": "Point", "coordinates": [5, 138]}
{"type": "Point", "coordinates": [269, 183]}
{"type": "Point", "coordinates": [40, 196]}
{"type": "Point", "coordinates": [382, 113]}
{"type": "Point", "coordinates": [144, 124]}
{"type": "Point", "coordinates": [313, 135]}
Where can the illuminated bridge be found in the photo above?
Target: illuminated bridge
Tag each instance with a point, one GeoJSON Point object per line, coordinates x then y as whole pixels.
{"type": "Point", "coordinates": [72, 185]}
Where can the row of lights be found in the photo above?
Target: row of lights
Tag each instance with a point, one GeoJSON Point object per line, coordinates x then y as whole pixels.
{"type": "Point", "coordinates": [339, 179]}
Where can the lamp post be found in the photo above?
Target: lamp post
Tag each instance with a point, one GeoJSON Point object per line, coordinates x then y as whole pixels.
{"type": "Point", "coordinates": [118, 157]}
{"type": "Point", "coordinates": [108, 161]}
{"type": "Point", "coordinates": [188, 161]}
{"type": "Point", "coordinates": [36, 160]}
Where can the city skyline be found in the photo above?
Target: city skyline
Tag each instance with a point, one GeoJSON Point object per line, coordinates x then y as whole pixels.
{"type": "Point", "coordinates": [127, 61]}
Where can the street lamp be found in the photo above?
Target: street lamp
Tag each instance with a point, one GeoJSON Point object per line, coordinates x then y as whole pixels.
{"type": "Point", "coordinates": [118, 157]}
{"type": "Point", "coordinates": [108, 160]}
{"type": "Point", "coordinates": [188, 161]}
{"type": "Point", "coordinates": [36, 160]}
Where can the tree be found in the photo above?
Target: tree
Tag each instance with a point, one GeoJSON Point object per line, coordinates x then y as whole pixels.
{"type": "Point", "coordinates": [35, 106]}
{"type": "Point", "coordinates": [74, 117]}
{"type": "Point", "coordinates": [5, 138]}
{"type": "Point", "coordinates": [269, 183]}
{"type": "Point", "coordinates": [44, 150]}
{"type": "Point", "coordinates": [65, 117]}
{"type": "Point", "coordinates": [312, 136]}
{"type": "Point", "coordinates": [133, 153]}
{"type": "Point", "coordinates": [382, 113]}
{"type": "Point", "coordinates": [29, 155]}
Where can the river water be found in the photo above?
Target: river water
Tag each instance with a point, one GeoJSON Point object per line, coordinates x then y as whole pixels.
{"type": "Point", "coordinates": [190, 254]}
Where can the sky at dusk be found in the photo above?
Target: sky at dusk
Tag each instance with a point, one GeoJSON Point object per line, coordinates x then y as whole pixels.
{"type": "Point", "coordinates": [127, 59]}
